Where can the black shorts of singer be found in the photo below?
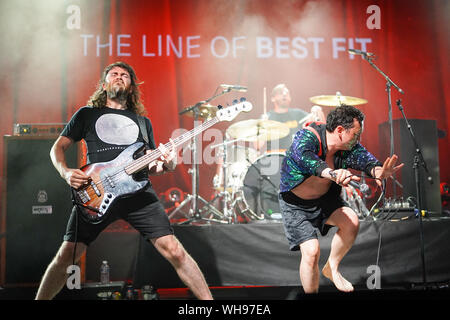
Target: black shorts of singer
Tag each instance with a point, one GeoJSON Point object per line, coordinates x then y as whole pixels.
{"type": "Point", "coordinates": [303, 219]}
{"type": "Point", "coordinates": [143, 211]}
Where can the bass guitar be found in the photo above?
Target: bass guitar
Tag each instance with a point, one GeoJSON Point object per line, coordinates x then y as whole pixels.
{"type": "Point", "coordinates": [114, 179]}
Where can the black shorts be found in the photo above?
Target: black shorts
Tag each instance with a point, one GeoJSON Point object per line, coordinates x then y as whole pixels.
{"type": "Point", "coordinates": [142, 210]}
{"type": "Point", "coordinates": [302, 219]}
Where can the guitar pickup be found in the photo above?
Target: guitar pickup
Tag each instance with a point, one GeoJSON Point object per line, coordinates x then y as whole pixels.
{"type": "Point", "coordinates": [109, 181]}
{"type": "Point", "coordinates": [94, 186]}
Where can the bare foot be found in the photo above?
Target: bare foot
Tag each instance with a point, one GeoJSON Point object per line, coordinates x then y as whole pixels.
{"type": "Point", "coordinates": [336, 277]}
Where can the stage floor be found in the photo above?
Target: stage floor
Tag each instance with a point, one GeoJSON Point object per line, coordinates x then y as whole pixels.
{"type": "Point", "coordinates": [257, 254]}
{"type": "Point", "coordinates": [253, 262]}
{"type": "Point", "coordinates": [434, 291]}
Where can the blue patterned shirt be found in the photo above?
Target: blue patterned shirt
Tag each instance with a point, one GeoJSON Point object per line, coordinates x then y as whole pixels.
{"type": "Point", "coordinates": [306, 157]}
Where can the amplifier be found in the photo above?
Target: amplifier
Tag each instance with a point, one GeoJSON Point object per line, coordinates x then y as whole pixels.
{"type": "Point", "coordinates": [35, 204]}
{"type": "Point", "coordinates": [38, 129]}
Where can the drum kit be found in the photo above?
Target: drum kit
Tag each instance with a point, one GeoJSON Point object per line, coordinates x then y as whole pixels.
{"type": "Point", "coordinates": [246, 183]}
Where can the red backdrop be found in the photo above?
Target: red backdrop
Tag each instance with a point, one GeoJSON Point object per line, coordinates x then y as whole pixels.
{"type": "Point", "coordinates": [182, 51]}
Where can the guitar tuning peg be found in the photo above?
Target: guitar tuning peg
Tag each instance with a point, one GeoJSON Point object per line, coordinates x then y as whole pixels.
{"type": "Point", "coordinates": [235, 101]}
{"type": "Point", "coordinates": [219, 107]}
{"type": "Point", "coordinates": [242, 99]}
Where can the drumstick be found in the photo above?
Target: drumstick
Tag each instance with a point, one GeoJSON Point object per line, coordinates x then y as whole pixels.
{"type": "Point", "coordinates": [264, 115]}
{"type": "Point", "coordinates": [265, 101]}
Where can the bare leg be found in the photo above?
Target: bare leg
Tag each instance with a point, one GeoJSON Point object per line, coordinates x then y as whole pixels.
{"type": "Point", "coordinates": [309, 265]}
{"type": "Point", "coordinates": [56, 274]}
{"type": "Point", "coordinates": [347, 222]}
{"type": "Point", "coordinates": [186, 268]}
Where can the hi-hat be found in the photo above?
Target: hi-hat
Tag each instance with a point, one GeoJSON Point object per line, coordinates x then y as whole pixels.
{"type": "Point", "coordinates": [205, 111]}
{"type": "Point", "coordinates": [337, 100]}
{"type": "Point", "coordinates": [258, 130]}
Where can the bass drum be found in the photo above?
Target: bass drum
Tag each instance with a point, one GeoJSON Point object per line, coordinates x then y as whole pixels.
{"type": "Point", "coordinates": [261, 185]}
{"type": "Point", "coordinates": [238, 160]}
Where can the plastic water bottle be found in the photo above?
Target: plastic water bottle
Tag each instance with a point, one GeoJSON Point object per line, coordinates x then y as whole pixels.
{"type": "Point", "coordinates": [104, 272]}
{"type": "Point", "coordinates": [149, 293]}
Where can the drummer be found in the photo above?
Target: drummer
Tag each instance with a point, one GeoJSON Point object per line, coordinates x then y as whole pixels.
{"type": "Point", "coordinates": [294, 118]}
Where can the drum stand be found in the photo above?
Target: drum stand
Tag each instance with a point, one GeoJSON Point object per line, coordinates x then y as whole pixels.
{"type": "Point", "coordinates": [230, 202]}
{"type": "Point", "coordinates": [194, 213]}
{"type": "Point", "coordinates": [228, 214]}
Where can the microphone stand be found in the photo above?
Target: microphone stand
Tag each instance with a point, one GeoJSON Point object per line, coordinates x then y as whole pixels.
{"type": "Point", "coordinates": [418, 161]}
{"type": "Point", "coordinates": [389, 84]}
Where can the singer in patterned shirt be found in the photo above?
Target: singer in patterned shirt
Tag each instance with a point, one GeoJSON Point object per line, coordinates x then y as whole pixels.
{"type": "Point", "coordinates": [312, 175]}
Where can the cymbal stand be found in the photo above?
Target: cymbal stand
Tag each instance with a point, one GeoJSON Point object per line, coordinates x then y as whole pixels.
{"type": "Point", "coordinates": [193, 199]}
{"type": "Point", "coordinates": [226, 198]}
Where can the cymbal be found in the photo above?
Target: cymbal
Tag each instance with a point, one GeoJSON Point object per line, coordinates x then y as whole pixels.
{"type": "Point", "coordinates": [204, 111]}
{"type": "Point", "coordinates": [258, 130]}
{"type": "Point", "coordinates": [337, 100]}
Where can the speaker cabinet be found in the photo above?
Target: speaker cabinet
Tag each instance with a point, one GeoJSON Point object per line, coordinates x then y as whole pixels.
{"type": "Point", "coordinates": [35, 210]}
{"type": "Point", "coordinates": [425, 132]}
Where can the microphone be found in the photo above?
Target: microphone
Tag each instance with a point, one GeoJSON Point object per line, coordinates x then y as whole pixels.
{"type": "Point", "coordinates": [364, 188]}
{"type": "Point", "coordinates": [359, 52]}
{"type": "Point", "coordinates": [231, 87]}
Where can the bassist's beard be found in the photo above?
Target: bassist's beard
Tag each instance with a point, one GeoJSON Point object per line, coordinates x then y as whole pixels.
{"type": "Point", "coordinates": [117, 92]}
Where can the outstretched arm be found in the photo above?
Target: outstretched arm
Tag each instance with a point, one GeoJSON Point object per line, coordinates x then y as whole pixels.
{"type": "Point", "coordinates": [387, 170]}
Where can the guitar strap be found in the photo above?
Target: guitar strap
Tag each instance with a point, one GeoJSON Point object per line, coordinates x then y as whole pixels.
{"type": "Point", "coordinates": [143, 128]}
{"type": "Point", "coordinates": [144, 132]}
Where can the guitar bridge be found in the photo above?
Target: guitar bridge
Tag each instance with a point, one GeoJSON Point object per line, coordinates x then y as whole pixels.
{"type": "Point", "coordinates": [84, 196]}
{"type": "Point", "coordinates": [94, 186]}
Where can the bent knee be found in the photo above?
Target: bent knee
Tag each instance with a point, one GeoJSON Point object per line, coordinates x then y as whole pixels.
{"type": "Point", "coordinates": [65, 255]}
{"type": "Point", "coordinates": [176, 253]}
{"type": "Point", "coordinates": [171, 249]}
{"type": "Point", "coordinates": [352, 222]}
{"type": "Point", "coordinates": [310, 251]}
{"type": "Point", "coordinates": [349, 221]}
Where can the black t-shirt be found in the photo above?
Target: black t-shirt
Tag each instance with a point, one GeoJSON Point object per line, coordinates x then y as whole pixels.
{"type": "Point", "coordinates": [107, 131]}
{"type": "Point", "coordinates": [291, 119]}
